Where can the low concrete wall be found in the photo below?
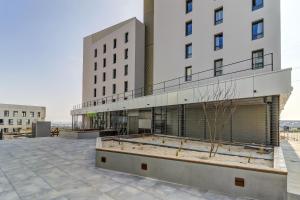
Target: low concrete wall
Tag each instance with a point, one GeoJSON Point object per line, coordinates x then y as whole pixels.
{"type": "Point", "coordinates": [79, 135]}
{"type": "Point", "coordinates": [260, 184]}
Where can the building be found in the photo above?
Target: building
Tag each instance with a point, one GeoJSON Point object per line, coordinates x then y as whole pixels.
{"type": "Point", "coordinates": [193, 52]}
{"type": "Point", "coordinates": [19, 118]}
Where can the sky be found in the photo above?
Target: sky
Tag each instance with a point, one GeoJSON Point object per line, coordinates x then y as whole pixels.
{"type": "Point", "coordinates": [41, 49]}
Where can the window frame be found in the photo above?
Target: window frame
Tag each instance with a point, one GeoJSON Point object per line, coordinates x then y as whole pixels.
{"type": "Point", "coordinates": [218, 69]}
{"type": "Point", "coordinates": [187, 32]}
{"type": "Point", "coordinates": [254, 67]}
{"type": "Point", "coordinates": [126, 54]}
{"type": "Point", "coordinates": [188, 6]}
{"type": "Point", "coordinates": [126, 37]}
{"type": "Point", "coordinates": [261, 35]}
{"type": "Point", "coordinates": [217, 22]}
{"type": "Point", "coordinates": [187, 55]}
{"type": "Point", "coordinates": [114, 88]}
{"type": "Point", "coordinates": [95, 53]}
{"type": "Point", "coordinates": [104, 77]}
{"type": "Point", "coordinates": [257, 7]}
{"type": "Point", "coordinates": [115, 43]}
{"type": "Point", "coordinates": [95, 79]}
{"type": "Point", "coordinates": [103, 91]}
{"type": "Point", "coordinates": [125, 86]}
{"type": "Point", "coordinates": [95, 66]}
{"type": "Point", "coordinates": [6, 113]}
{"type": "Point", "coordinates": [114, 74]}
{"type": "Point", "coordinates": [126, 70]}
{"type": "Point", "coordinates": [104, 48]}
{"type": "Point", "coordinates": [114, 58]}
{"type": "Point", "coordinates": [216, 48]}
{"type": "Point", "coordinates": [187, 77]}
{"type": "Point", "coordinates": [95, 92]}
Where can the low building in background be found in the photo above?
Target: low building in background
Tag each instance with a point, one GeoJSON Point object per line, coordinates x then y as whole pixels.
{"type": "Point", "coordinates": [19, 118]}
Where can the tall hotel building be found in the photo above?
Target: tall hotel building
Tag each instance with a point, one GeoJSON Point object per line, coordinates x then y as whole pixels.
{"type": "Point", "coordinates": [155, 76]}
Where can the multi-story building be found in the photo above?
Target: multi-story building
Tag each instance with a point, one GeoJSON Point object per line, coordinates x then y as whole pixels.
{"type": "Point", "coordinates": [19, 118]}
{"type": "Point", "coordinates": [198, 53]}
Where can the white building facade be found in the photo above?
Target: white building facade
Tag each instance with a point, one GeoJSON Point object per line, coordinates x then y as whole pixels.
{"type": "Point", "coordinates": [19, 118]}
{"type": "Point", "coordinates": [191, 48]}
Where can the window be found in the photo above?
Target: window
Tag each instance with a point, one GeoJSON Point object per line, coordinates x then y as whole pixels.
{"type": "Point", "coordinates": [15, 113]}
{"type": "Point", "coordinates": [114, 73]}
{"type": "Point", "coordinates": [39, 114]}
{"type": "Point", "coordinates": [257, 4]}
{"type": "Point", "coordinates": [104, 48]}
{"type": "Point", "coordinates": [219, 41]}
{"type": "Point", "coordinates": [95, 92]}
{"type": "Point", "coordinates": [103, 90]}
{"type": "Point", "coordinates": [104, 77]}
{"type": "Point", "coordinates": [95, 66]}
{"type": "Point", "coordinates": [188, 28]}
{"type": "Point", "coordinates": [114, 89]}
{"type": "Point", "coordinates": [115, 43]}
{"type": "Point", "coordinates": [95, 79]}
{"type": "Point", "coordinates": [115, 58]}
{"type": "Point", "coordinates": [104, 62]}
{"type": "Point", "coordinates": [258, 59]}
{"type": "Point", "coordinates": [126, 37]}
{"type": "Point", "coordinates": [188, 73]}
{"type": "Point", "coordinates": [1, 122]}
{"type": "Point", "coordinates": [6, 113]}
{"type": "Point", "coordinates": [24, 114]}
{"type": "Point", "coordinates": [31, 114]}
{"type": "Point", "coordinates": [28, 122]}
{"type": "Point", "coordinates": [126, 54]}
{"type": "Point", "coordinates": [125, 70]}
{"type": "Point", "coordinates": [11, 122]}
{"type": "Point", "coordinates": [19, 122]}
{"type": "Point", "coordinates": [218, 67]}
{"type": "Point", "coordinates": [257, 29]}
{"type": "Point", "coordinates": [189, 6]}
{"type": "Point", "coordinates": [219, 16]}
{"type": "Point", "coordinates": [188, 51]}
{"type": "Point", "coordinates": [126, 86]}
{"type": "Point", "coordinates": [95, 53]}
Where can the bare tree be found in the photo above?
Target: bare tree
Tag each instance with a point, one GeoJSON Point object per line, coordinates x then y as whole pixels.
{"type": "Point", "coordinates": [218, 107]}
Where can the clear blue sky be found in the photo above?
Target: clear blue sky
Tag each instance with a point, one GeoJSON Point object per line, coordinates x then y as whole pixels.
{"type": "Point", "coordinates": [41, 49]}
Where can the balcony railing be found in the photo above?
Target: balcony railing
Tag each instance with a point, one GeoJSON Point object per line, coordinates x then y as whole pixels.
{"type": "Point", "coordinates": [227, 71]}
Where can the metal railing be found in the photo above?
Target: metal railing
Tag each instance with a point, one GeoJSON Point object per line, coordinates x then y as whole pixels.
{"type": "Point", "coordinates": [231, 70]}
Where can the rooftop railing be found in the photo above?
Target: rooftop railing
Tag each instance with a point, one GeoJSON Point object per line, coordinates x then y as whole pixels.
{"type": "Point", "coordinates": [221, 72]}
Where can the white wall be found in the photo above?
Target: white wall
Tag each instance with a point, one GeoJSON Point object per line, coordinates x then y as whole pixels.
{"type": "Point", "coordinates": [170, 40]}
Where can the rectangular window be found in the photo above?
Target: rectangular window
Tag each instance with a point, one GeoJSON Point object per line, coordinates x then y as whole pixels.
{"type": "Point", "coordinates": [188, 51]}
{"type": "Point", "coordinates": [39, 114]}
{"type": "Point", "coordinates": [104, 77]}
{"type": "Point", "coordinates": [95, 79]}
{"type": "Point", "coordinates": [6, 113]}
{"type": "Point", "coordinates": [103, 91]}
{"type": "Point", "coordinates": [95, 66]}
{"type": "Point", "coordinates": [19, 122]}
{"type": "Point", "coordinates": [188, 28]}
{"type": "Point", "coordinates": [11, 122]}
{"type": "Point", "coordinates": [126, 54]}
{"type": "Point", "coordinates": [125, 70]}
{"type": "Point", "coordinates": [126, 86]}
{"type": "Point", "coordinates": [115, 43]}
{"type": "Point", "coordinates": [104, 62]}
{"type": "Point", "coordinates": [95, 92]}
{"type": "Point", "coordinates": [126, 37]}
{"type": "Point", "coordinates": [115, 59]}
{"type": "Point", "coordinates": [31, 114]}
{"type": "Point", "coordinates": [258, 59]}
{"type": "Point", "coordinates": [257, 29]}
{"type": "Point", "coordinates": [1, 122]}
{"type": "Point", "coordinates": [218, 67]}
{"type": "Point", "coordinates": [15, 113]}
{"type": "Point", "coordinates": [257, 4]}
{"type": "Point", "coordinates": [114, 73]}
{"type": "Point", "coordinates": [189, 6]}
{"type": "Point", "coordinates": [219, 41]}
{"type": "Point", "coordinates": [95, 53]}
{"type": "Point", "coordinates": [219, 16]}
{"type": "Point", "coordinates": [28, 122]}
{"type": "Point", "coordinates": [114, 88]}
{"type": "Point", "coordinates": [24, 114]}
{"type": "Point", "coordinates": [104, 48]}
{"type": "Point", "coordinates": [188, 73]}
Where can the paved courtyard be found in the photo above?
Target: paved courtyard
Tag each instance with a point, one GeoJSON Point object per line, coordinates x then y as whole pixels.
{"type": "Point", "coordinates": [60, 169]}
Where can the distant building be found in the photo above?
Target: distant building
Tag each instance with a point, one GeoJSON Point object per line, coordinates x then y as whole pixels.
{"type": "Point", "coordinates": [19, 118]}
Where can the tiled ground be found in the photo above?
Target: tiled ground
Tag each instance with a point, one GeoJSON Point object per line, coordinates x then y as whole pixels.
{"type": "Point", "coordinates": [60, 169]}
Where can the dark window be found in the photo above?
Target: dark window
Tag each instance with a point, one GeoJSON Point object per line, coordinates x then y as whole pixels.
{"type": "Point", "coordinates": [19, 122]}
{"type": "Point", "coordinates": [114, 88]}
{"type": "Point", "coordinates": [218, 67]}
{"type": "Point", "coordinates": [24, 114]}
{"type": "Point", "coordinates": [95, 92]}
{"type": "Point", "coordinates": [126, 54]}
{"type": "Point", "coordinates": [257, 29]}
{"type": "Point", "coordinates": [258, 59]}
{"type": "Point", "coordinates": [189, 6]}
{"type": "Point", "coordinates": [104, 62]}
{"type": "Point", "coordinates": [103, 91]}
{"type": "Point", "coordinates": [6, 113]}
{"type": "Point", "coordinates": [95, 79]}
{"type": "Point", "coordinates": [188, 51]}
{"type": "Point", "coordinates": [257, 4]}
{"type": "Point", "coordinates": [1, 121]}
{"type": "Point", "coordinates": [218, 16]}
{"type": "Point", "coordinates": [126, 86]}
{"type": "Point", "coordinates": [188, 28]}
{"type": "Point", "coordinates": [115, 43]}
{"type": "Point", "coordinates": [95, 66]}
{"type": "Point", "coordinates": [114, 73]}
{"type": "Point", "coordinates": [188, 73]}
{"type": "Point", "coordinates": [219, 41]}
{"type": "Point", "coordinates": [115, 58]}
{"type": "Point", "coordinates": [95, 53]}
{"type": "Point", "coordinates": [104, 77]}
{"type": "Point", "coordinates": [104, 48]}
{"type": "Point", "coordinates": [39, 114]}
{"type": "Point", "coordinates": [11, 122]}
{"type": "Point", "coordinates": [125, 70]}
{"type": "Point", "coordinates": [126, 37]}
